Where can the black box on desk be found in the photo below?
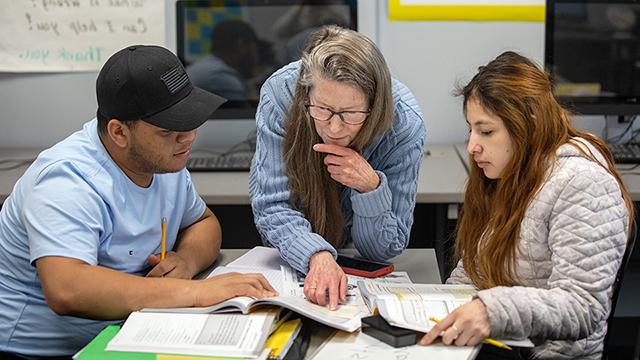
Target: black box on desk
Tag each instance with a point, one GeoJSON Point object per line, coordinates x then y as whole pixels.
{"type": "Point", "coordinates": [379, 328]}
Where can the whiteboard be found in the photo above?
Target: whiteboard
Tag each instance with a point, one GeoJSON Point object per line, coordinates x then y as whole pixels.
{"type": "Point", "coordinates": [74, 35]}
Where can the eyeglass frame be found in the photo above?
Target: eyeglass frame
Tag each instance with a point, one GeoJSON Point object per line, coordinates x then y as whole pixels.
{"type": "Point", "coordinates": [339, 113]}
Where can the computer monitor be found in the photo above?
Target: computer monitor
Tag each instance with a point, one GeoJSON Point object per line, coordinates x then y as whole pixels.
{"type": "Point", "coordinates": [592, 50]}
{"type": "Point", "coordinates": [231, 47]}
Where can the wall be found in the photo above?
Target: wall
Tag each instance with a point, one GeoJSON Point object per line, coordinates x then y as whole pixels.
{"type": "Point", "coordinates": [38, 110]}
{"type": "Point", "coordinates": [430, 57]}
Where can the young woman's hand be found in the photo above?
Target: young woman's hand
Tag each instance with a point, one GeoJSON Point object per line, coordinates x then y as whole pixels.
{"type": "Point", "coordinates": [467, 325]}
{"type": "Point", "coordinates": [325, 279]}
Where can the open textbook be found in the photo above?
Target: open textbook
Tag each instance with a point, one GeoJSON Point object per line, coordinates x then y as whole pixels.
{"type": "Point", "coordinates": [410, 306]}
{"type": "Point", "coordinates": [285, 280]}
{"type": "Point", "coordinates": [229, 335]}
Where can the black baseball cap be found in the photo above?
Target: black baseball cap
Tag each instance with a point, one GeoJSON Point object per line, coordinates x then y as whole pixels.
{"type": "Point", "coordinates": [149, 83]}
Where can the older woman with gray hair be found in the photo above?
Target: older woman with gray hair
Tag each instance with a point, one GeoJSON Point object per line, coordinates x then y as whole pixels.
{"type": "Point", "coordinates": [339, 148]}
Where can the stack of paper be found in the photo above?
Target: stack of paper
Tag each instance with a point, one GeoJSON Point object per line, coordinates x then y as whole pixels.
{"type": "Point", "coordinates": [234, 335]}
{"type": "Point", "coordinates": [96, 350]}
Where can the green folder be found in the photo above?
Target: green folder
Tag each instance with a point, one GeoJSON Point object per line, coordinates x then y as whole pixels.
{"type": "Point", "coordinates": [95, 350]}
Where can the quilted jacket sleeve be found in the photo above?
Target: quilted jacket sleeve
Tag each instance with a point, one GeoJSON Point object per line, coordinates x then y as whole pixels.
{"type": "Point", "coordinates": [459, 275]}
{"type": "Point", "coordinates": [587, 236]}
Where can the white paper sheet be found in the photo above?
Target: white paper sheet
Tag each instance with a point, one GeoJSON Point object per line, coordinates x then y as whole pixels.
{"type": "Point", "coordinates": [345, 346]}
{"type": "Point", "coordinates": [194, 334]}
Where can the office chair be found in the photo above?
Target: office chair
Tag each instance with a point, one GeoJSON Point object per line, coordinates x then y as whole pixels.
{"type": "Point", "coordinates": [617, 284]}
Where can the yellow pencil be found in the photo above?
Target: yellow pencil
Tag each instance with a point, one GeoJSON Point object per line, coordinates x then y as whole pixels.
{"type": "Point", "coordinates": [491, 341]}
{"type": "Point", "coordinates": [164, 238]}
{"type": "Point", "coordinates": [497, 343]}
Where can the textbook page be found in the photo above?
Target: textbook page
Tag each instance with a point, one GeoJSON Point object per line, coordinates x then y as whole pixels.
{"type": "Point", "coordinates": [290, 287]}
{"type": "Point", "coordinates": [232, 335]}
{"type": "Point", "coordinates": [411, 305]}
{"type": "Point", "coordinates": [260, 257]}
{"type": "Point", "coordinates": [274, 277]}
{"type": "Point", "coordinates": [345, 317]}
{"type": "Point", "coordinates": [294, 285]}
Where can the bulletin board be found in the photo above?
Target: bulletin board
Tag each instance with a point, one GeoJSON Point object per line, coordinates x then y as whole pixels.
{"type": "Point", "coordinates": [74, 35]}
{"type": "Point", "coordinates": [467, 10]}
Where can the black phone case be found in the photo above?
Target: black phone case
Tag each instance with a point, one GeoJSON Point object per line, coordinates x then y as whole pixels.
{"type": "Point", "coordinates": [379, 328]}
{"type": "Point", "coordinates": [360, 264]}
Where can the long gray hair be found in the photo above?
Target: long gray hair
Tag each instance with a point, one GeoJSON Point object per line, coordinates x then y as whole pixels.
{"type": "Point", "coordinates": [337, 54]}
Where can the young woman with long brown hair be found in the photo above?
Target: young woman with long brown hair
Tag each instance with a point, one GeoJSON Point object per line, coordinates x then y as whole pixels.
{"type": "Point", "coordinates": [545, 219]}
{"type": "Point", "coordinates": [339, 148]}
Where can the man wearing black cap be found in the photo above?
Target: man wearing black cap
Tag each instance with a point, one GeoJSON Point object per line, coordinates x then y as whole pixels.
{"type": "Point", "coordinates": [81, 232]}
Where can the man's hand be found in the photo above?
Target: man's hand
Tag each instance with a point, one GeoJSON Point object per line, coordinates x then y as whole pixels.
{"type": "Point", "coordinates": [325, 276]}
{"type": "Point", "coordinates": [348, 167]}
{"type": "Point", "coordinates": [219, 288]}
{"type": "Point", "coordinates": [173, 266]}
{"type": "Point", "coordinates": [467, 325]}
{"type": "Point", "coordinates": [69, 287]}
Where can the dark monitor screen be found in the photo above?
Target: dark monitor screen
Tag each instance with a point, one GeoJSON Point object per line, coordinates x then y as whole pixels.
{"type": "Point", "coordinates": [231, 47]}
{"type": "Point", "coordinates": [592, 51]}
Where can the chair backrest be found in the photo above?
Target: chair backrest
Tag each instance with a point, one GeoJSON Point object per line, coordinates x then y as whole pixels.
{"type": "Point", "coordinates": [618, 283]}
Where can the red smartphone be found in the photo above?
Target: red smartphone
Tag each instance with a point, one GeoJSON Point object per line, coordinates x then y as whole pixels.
{"type": "Point", "coordinates": [364, 268]}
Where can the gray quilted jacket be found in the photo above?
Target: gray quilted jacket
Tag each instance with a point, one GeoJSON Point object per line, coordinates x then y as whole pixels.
{"type": "Point", "coordinates": [572, 240]}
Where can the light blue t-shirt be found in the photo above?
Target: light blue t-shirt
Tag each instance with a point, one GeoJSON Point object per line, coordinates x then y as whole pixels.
{"type": "Point", "coordinates": [74, 201]}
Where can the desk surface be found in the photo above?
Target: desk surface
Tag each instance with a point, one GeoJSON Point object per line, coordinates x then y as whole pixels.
{"type": "Point", "coordinates": [420, 264]}
{"type": "Point", "coordinates": [441, 180]}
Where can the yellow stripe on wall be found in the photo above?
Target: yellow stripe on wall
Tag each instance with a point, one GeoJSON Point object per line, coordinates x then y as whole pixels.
{"type": "Point", "coordinates": [399, 12]}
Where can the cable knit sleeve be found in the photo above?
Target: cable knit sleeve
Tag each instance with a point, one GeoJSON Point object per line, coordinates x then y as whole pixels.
{"type": "Point", "coordinates": [278, 223]}
{"type": "Point", "coordinates": [382, 218]}
{"type": "Point", "coordinates": [587, 233]}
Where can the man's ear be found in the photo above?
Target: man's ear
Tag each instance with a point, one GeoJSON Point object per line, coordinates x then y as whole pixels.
{"type": "Point", "coordinates": [119, 133]}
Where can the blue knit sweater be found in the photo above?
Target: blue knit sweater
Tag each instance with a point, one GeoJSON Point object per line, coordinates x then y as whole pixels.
{"type": "Point", "coordinates": [378, 222]}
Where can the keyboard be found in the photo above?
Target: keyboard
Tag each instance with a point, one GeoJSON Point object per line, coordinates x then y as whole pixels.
{"type": "Point", "coordinates": [626, 153]}
{"type": "Point", "coordinates": [220, 162]}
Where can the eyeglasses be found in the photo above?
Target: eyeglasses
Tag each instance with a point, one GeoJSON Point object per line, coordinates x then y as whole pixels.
{"type": "Point", "coordinates": [320, 113]}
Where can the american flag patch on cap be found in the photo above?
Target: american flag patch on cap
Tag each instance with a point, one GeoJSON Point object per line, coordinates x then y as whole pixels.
{"type": "Point", "coordinates": [175, 79]}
